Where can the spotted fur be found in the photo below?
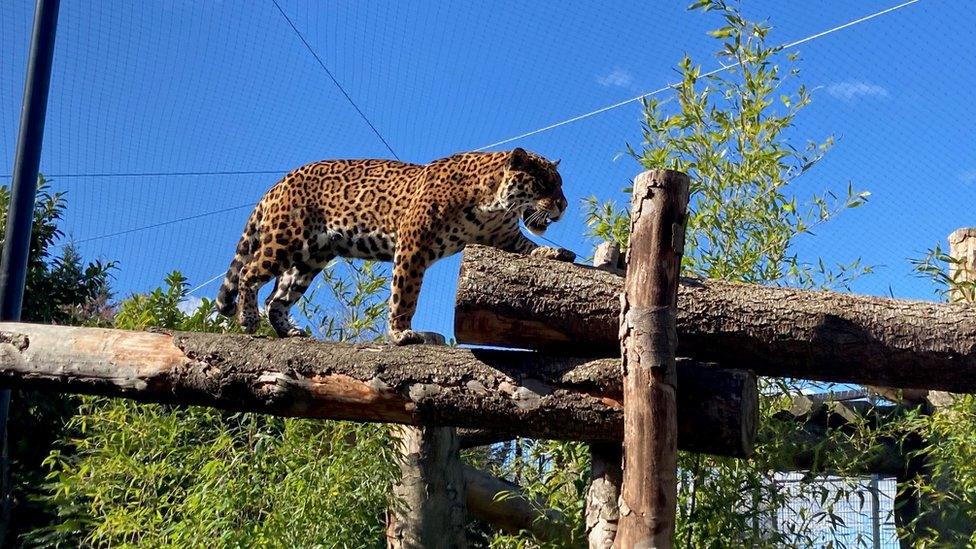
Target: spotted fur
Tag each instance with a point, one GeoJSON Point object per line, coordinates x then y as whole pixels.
{"type": "Point", "coordinates": [385, 210]}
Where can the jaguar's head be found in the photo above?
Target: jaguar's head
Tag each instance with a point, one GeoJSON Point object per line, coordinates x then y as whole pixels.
{"type": "Point", "coordinates": [533, 187]}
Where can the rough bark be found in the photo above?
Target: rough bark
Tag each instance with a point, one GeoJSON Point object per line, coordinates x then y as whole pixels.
{"type": "Point", "coordinates": [428, 508]}
{"type": "Point", "coordinates": [606, 458]}
{"type": "Point", "coordinates": [530, 394]}
{"type": "Point", "coordinates": [602, 509]}
{"type": "Point", "coordinates": [428, 504]}
{"type": "Point", "coordinates": [648, 339]}
{"type": "Point", "coordinates": [962, 248]}
{"type": "Point", "coordinates": [515, 301]}
{"type": "Point", "coordinates": [504, 505]}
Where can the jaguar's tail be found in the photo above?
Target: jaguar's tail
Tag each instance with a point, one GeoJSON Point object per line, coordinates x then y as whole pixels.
{"type": "Point", "coordinates": [246, 247]}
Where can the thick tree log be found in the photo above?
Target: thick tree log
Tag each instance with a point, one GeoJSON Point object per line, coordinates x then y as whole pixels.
{"type": "Point", "coordinates": [519, 301]}
{"type": "Point", "coordinates": [529, 394]}
{"type": "Point", "coordinates": [602, 496]}
{"type": "Point", "coordinates": [648, 340]}
{"type": "Point", "coordinates": [428, 508]}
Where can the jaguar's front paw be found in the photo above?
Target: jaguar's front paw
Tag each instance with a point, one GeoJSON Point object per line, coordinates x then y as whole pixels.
{"type": "Point", "coordinates": [298, 332]}
{"type": "Point", "coordinates": [558, 254]}
{"type": "Point", "coordinates": [406, 337]}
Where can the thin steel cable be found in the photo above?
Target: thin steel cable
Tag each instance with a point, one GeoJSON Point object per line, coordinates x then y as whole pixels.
{"type": "Point", "coordinates": [804, 40]}
{"type": "Point", "coordinates": [164, 223]}
{"type": "Point", "coordinates": [333, 78]}
{"type": "Point", "coordinates": [159, 174]}
{"type": "Point", "coordinates": [710, 73]}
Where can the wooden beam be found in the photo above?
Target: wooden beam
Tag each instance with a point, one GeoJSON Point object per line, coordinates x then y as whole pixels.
{"type": "Point", "coordinates": [517, 301]}
{"type": "Point", "coordinates": [962, 248]}
{"type": "Point", "coordinates": [603, 494]}
{"type": "Point", "coordinates": [505, 506]}
{"type": "Point", "coordinates": [428, 507]}
{"type": "Point", "coordinates": [648, 338]}
{"type": "Point", "coordinates": [530, 394]}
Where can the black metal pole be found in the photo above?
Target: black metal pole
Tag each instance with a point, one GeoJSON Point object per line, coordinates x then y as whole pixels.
{"type": "Point", "coordinates": [16, 243]}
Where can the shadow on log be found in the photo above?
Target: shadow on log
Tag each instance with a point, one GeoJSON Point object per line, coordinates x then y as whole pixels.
{"type": "Point", "coordinates": [529, 394]}
{"type": "Point", "coordinates": [519, 301]}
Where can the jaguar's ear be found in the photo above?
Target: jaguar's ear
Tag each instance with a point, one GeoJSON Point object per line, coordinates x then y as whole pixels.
{"type": "Point", "coordinates": [556, 163]}
{"type": "Point", "coordinates": [519, 159]}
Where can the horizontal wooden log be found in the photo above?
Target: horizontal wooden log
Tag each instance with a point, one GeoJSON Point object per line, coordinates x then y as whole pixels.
{"type": "Point", "coordinates": [520, 301]}
{"type": "Point", "coordinates": [818, 420]}
{"type": "Point", "coordinates": [505, 506]}
{"type": "Point", "coordinates": [529, 394]}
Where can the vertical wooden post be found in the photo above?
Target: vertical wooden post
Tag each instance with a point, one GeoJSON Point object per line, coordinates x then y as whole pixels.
{"type": "Point", "coordinates": [962, 247]}
{"type": "Point", "coordinates": [602, 510]}
{"type": "Point", "coordinates": [648, 340]}
{"type": "Point", "coordinates": [607, 257]}
{"type": "Point", "coordinates": [428, 510]}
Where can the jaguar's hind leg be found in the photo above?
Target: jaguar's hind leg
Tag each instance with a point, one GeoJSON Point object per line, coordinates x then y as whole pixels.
{"type": "Point", "coordinates": [289, 289]}
{"type": "Point", "coordinates": [253, 275]}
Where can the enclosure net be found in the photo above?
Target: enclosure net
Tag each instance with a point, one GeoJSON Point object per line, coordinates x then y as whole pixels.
{"type": "Point", "coordinates": [168, 120]}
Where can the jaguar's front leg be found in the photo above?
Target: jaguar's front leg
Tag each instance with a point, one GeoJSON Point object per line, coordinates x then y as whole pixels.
{"type": "Point", "coordinates": [408, 275]}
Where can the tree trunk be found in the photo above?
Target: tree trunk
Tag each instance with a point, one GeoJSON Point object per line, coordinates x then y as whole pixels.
{"type": "Point", "coordinates": [962, 248]}
{"type": "Point", "coordinates": [427, 511]}
{"type": "Point", "coordinates": [602, 508]}
{"type": "Point", "coordinates": [526, 302]}
{"type": "Point", "coordinates": [648, 339]}
{"type": "Point", "coordinates": [529, 394]}
{"type": "Point", "coordinates": [606, 458]}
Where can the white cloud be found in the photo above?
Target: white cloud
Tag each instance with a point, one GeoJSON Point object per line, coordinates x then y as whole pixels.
{"type": "Point", "coordinates": [618, 77]}
{"type": "Point", "coordinates": [968, 177]}
{"type": "Point", "coordinates": [190, 305]}
{"type": "Point", "coordinates": [850, 90]}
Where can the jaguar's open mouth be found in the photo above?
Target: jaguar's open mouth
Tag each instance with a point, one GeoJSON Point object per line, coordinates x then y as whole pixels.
{"type": "Point", "coordinates": [536, 221]}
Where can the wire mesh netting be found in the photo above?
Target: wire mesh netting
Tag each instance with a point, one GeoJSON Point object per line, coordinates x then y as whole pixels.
{"type": "Point", "coordinates": [862, 509]}
{"type": "Point", "coordinates": [168, 120]}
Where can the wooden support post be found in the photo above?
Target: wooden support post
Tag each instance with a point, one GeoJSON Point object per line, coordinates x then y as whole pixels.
{"type": "Point", "coordinates": [602, 509]}
{"type": "Point", "coordinates": [962, 247]}
{"type": "Point", "coordinates": [607, 257]}
{"type": "Point", "coordinates": [648, 335]}
{"type": "Point", "coordinates": [427, 511]}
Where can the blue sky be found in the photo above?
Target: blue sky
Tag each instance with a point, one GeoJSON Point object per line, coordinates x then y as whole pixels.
{"type": "Point", "coordinates": [177, 87]}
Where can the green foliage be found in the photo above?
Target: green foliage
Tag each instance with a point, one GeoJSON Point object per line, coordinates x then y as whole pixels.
{"type": "Point", "coordinates": [357, 292]}
{"type": "Point", "coordinates": [554, 472]}
{"type": "Point", "coordinates": [947, 273]}
{"type": "Point", "coordinates": [63, 289]}
{"type": "Point", "coordinates": [947, 437]}
{"type": "Point", "coordinates": [948, 490]}
{"type": "Point", "coordinates": [161, 476]}
{"type": "Point", "coordinates": [60, 287]}
{"type": "Point", "coordinates": [729, 133]}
